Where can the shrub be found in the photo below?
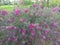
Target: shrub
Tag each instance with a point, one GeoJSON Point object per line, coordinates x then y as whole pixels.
{"type": "Point", "coordinates": [31, 26]}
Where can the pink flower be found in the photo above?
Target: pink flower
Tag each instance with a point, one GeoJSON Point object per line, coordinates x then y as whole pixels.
{"type": "Point", "coordinates": [24, 31]}
{"type": "Point", "coordinates": [19, 30]}
{"type": "Point", "coordinates": [37, 26]}
{"type": "Point", "coordinates": [15, 39]}
{"type": "Point", "coordinates": [10, 27]}
{"type": "Point", "coordinates": [47, 31]}
{"type": "Point", "coordinates": [56, 9]}
{"type": "Point", "coordinates": [31, 26]}
{"type": "Point", "coordinates": [26, 10]}
{"type": "Point", "coordinates": [55, 43]}
{"type": "Point", "coordinates": [32, 32]}
{"type": "Point", "coordinates": [47, 25]}
{"type": "Point", "coordinates": [14, 33]}
{"type": "Point", "coordinates": [11, 20]}
{"type": "Point", "coordinates": [35, 5]}
{"type": "Point", "coordinates": [18, 12]}
{"type": "Point", "coordinates": [10, 38]}
{"type": "Point", "coordinates": [54, 24]}
{"type": "Point", "coordinates": [22, 20]}
{"type": "Point", "coordinates": [44, 37]}
{"type": "Point", "coordinates": [4, 12]}
{"type": "Point", "coordinates": [9, 33]}
{"type": "Point", "coordinates": [41, 5]}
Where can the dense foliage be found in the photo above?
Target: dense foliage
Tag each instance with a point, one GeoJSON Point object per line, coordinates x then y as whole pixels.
{"type": "Point", "coordinates": [30, 26]}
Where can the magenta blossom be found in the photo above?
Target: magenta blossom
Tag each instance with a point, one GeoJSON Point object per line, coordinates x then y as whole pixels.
{"type": "Point", "coordinates": [55, 43]}
{"type": "Point", "coordinates": [56, 9]}
{"type": "Point", "coordinates": [10, 38]}
{"type": "Point", "coordinates": [43, 37]}
{"type": "Point", "coordinates": [14, 33]}
{"type": "Point", "coordinates": [11, 20]}
{"type": "Point", "coordinates": [37, 26]}
{"type": "Point", "coordinates": [22, 20]}
{"type": "Point", "coordinates": [54, 24]}
{"type": "Point", "coordinates": [32, 32]}
{"type": "Point", "coordinates": [10, 27]}
{"type": "Point", "coordinates": [31, 26]}
{"type": "Point", "coordinates": [24, 31]}
{"type": "Point", "coordinates": [19, 30]}
{"type": "Point", "coordinates": [26, 10]}
{"type": "Point", "coordinates": [18, 12]}
{"type": "Point", "coordinates": [15, 39]}
{"type": "Point", "coordinates": [41, 5]}
{"type": "Point", "coordinates": [35, 5]}
{"type": "Point", "coordinates": [4, 12]}
{"type": "Point", "coordinates": [47, 25]}
{"type": "Point", "coordinates": [47, 31]}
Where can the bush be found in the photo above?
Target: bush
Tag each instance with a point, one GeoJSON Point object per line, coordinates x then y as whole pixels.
{"type": "Point", "coordinates": [31, 26]}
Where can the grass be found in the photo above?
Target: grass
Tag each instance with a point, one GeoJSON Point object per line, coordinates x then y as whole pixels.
{"type": "Point", "coordinates": [11, 7]}
{"type": "Point", "coordinates": [7, 7]}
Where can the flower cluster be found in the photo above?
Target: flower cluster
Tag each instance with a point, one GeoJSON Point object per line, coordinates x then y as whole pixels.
{"type": "Point", "coordinates": [31, 26]}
